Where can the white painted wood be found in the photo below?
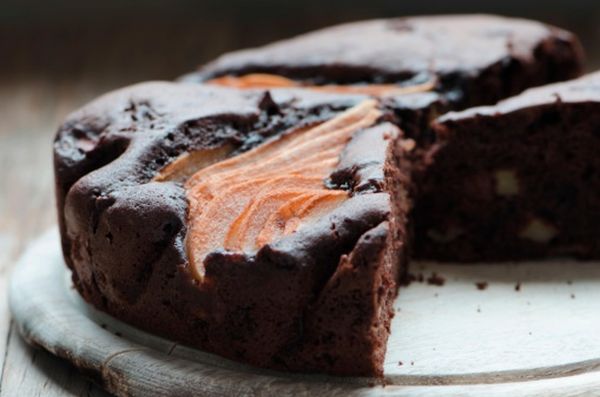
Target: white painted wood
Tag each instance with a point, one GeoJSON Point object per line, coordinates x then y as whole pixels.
{"type": "Point", "coordinates": [460, 331]}
{"type": "Point", "coordinates": [452, 340]}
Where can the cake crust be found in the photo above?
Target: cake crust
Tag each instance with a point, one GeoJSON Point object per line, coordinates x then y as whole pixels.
{"type": "Point", "coordinates": [474, 59]}
{"type": "Point", "coordinates": [126, 230]}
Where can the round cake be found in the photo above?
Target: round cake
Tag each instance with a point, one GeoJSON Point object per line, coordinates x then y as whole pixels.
{"type": "Point", "coordinates": [267, 214]}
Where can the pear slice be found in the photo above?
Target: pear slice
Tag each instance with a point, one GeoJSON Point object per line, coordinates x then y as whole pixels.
{"type": "Point", "coordinates": [242, 203]}
{"type": "Point", "coordinates": [266, 81]}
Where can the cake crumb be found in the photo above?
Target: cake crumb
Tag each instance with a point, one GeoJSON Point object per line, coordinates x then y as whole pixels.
{"type": "Point", "coordinates": [412, 363]}
{"type": "Point", "coordinates": [481, 285]}
{"type": "Point", "coordinates": [399, 362]}
{"type": "Point", "coordinates": [518, 286]}
{"type": "Point", "coordinates": [409, 278]}
{"type": "Point", "coordinates": [436, 279]}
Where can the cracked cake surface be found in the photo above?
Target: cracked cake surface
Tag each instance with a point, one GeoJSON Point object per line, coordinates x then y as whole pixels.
{"type": "Point", "coordinates": [260, 238]}
{"type": "Point", "coordinates": [421, 66]}
{"type": "Point", "coordinates": [472, 59]}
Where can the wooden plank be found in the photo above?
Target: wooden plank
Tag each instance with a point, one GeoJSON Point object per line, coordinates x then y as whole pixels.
{"type": "Point", "coordinates": [35, 372]}
{"type": "Point", "coordinates": [6, 241]}
{"type": "Point", "coordinates": [29, 111]}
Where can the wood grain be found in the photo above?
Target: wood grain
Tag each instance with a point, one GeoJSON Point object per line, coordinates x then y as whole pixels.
{"type": "Point", "coordinates": [29, 111]}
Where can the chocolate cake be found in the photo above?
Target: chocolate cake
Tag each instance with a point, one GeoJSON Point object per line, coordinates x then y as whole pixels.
{"type": "Point", "coordinates": [429, 63]}
{"type": "Point", "coordinates": [270, 223]}
{"type": "Point", "coordinates": [517, 180]}
{"type": "Point", "coordinates": [265, 227]}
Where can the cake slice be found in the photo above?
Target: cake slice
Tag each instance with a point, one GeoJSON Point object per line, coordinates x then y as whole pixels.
{"type": "Point", "coordinates": [423, 65]}
{"type": "Point", "coordinates": [517, 180]}
{"type": "Point", "coordinates": [269, 228]}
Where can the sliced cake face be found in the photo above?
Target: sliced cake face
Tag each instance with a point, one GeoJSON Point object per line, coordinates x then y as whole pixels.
{"type": "Point", "coordinates": [469, 59]}
{"type": "Point", "coordinates": [265, 227]}
{"type": "Point", "coordinates": [517, 180]}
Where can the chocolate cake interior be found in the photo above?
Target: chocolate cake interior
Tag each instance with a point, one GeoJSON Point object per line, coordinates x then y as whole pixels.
{"type": "Point", "coordinates": [516, 181]}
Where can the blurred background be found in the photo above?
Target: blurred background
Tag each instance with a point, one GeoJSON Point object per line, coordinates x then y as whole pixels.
{"type": "Point", "coordinates": [66, 51]}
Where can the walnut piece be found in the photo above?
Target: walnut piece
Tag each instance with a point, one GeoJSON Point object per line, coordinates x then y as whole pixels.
{"type": "Point", "coordinates": [507, 182]}
{"type": "Point", "coordinates": [538, 230]}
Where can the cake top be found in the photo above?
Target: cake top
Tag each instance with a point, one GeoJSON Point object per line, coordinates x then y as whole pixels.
{"type": "Point", "coordinates": [258, 173]}
{"type": "Point", "coordinates": [242, 203]}
{"type": "Point", "coordinates": [410, 49]}
{"type": "Point", "coordinates": [582, 90]}
{"type": "Point", "coordinates": [166, 102]}
{"type": "Point", "coordinates": [155, 121]}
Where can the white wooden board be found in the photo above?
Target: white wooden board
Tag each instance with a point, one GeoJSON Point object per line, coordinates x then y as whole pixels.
{"type": "Point", "coordinates": [455, 339]}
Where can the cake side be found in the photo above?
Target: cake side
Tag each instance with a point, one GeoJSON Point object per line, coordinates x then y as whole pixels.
{"type": "Point", "coordinates": [514, 181]}
{"type": "Point", "coordinates": [264, 294]}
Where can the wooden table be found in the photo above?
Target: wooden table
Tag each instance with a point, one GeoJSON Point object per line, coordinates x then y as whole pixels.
{"type": "Point", "coordinates": [29, 113]}
{"type": "Point", "coordinates": [44, 74]}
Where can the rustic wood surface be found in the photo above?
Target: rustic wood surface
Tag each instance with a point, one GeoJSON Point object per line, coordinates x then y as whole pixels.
{"type": "Point", "coordinates": [29, 114]}
{"type": "Point", "coordinates": [49, 67]}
